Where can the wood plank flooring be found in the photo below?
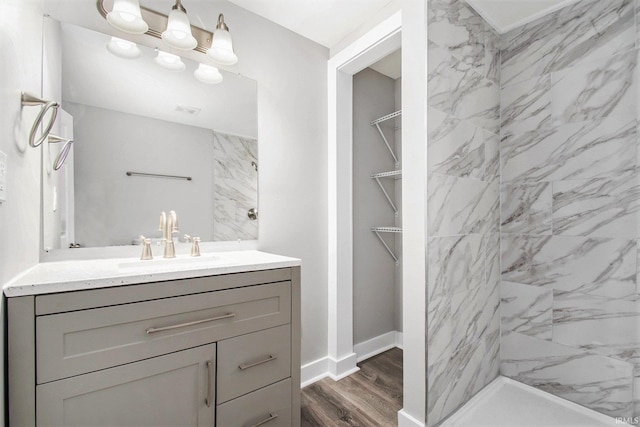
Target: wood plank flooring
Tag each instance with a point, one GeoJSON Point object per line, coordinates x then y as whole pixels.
{"type": "Point", "coordinates": [371, 397]}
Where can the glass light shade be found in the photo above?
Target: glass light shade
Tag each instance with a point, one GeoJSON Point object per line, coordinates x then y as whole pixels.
{"type": "Point", "coordinates": [221, 49]}
{"type": "Point", "coordinates": [208, 74]}
{"type": "Point", "coordinates": [125, 16]}
{"type": "Point", "coordinates": [169, 61]}
{"type": "Point", "coordinates": [123, 48]}
{"type": "Point", "coordinates": [178, 33]}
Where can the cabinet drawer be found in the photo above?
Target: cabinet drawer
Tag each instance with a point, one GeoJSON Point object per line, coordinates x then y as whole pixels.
{"type": "Point", "coordinates": [268, 407]}
{"type": "Point", "coordinates": [74, 343]}
{"type": "Point", "coordinates": [252, 361]}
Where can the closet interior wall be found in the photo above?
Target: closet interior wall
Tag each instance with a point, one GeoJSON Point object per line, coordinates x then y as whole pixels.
{"type": "Point", "coordinates": [377, 296]}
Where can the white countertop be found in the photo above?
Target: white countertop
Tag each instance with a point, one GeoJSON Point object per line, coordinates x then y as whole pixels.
{"type": "Point", "coordinates": [64, 276]}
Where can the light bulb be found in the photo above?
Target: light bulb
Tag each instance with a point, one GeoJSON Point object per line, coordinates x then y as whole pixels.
{"type": "Point", "coordinates": [125, 16]}
{"type": "Point", "coordinates": [208, 74]}
{"type": "Point", "coordinates": [178, 33]}
{"type": "Point", "coordinates": [169, 61]}
{"type": "Point", "coordinates": [123, 48]}
{"type": "Point", "coordinates": [221, 49]}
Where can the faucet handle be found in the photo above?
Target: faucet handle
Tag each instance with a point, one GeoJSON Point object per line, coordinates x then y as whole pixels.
{"type": "Point", "coordinates": [146, 248]}
{"type": "Point", "coordinates": [195, 248]}
{"type": "Point", "coordinates": [195, 244]}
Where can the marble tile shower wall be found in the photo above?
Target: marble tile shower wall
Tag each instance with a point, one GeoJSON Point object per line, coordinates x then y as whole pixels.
{"type": "Point", "coordinates": [570, 204]}
{"type": "Point", "coordinates": [463, 215]}
{"type": "Point", "coordinates": [235, 175]}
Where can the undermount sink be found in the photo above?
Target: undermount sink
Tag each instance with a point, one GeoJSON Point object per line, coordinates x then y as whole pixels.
{"type": "Point", "coordinates": [179, 263]}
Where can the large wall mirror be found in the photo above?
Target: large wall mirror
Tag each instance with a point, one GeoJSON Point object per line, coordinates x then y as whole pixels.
{"type": "Point", "coordinates": [146, 139]}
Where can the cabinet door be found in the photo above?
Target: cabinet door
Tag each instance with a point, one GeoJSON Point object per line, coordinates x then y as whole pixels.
{"type": "Point", "coordinates": [172, 390]}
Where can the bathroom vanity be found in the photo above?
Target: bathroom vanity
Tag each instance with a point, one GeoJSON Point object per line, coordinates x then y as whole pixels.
{"type": "Point", "coordinates": [169, 342]}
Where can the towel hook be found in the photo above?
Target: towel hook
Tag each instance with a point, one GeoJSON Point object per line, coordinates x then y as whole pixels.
{"type": "Point", "coordinates": [29, 100]}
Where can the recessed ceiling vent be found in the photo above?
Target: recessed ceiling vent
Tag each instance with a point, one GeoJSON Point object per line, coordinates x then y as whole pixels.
{"type": "Point", "coordinates": [192, 111]}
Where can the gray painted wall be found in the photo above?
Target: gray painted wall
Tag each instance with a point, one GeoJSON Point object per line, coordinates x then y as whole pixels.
{"type": "Point", "coordinates": [109, 204]}
{"type": "Point", "coordinates": [374, 282]}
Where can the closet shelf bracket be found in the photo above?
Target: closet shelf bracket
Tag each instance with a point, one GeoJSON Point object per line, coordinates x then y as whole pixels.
{"type": "Point", "coordinates": [387, 117]}
{"type": "Point", "coordinates": [377, 122]}
{"type": "Point", "coordinates": [379, 230]}
{"type": "Point", "coordinates": [392, 174]}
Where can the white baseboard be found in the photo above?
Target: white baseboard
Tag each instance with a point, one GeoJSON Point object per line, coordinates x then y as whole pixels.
{"type": "Point", "coordinates": [336, 370]}
{"type": "Point", "coordinates": [314, 371]}
{"type": "Point", "coordinates": [406, 420]}
{"type": "Point", "coordinates": [327, 367]}
{"type": "Point", "coordinates": [378, 345]}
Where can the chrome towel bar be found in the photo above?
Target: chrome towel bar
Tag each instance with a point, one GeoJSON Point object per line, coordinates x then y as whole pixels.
{"type": "Point", "coordinates": [159, 175]}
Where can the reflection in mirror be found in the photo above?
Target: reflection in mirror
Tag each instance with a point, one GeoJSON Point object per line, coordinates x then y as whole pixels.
{"type": "Point", "coordinates": [131, 115]}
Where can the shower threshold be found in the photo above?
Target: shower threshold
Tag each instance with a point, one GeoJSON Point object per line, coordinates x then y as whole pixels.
{"type": "Point", "coordinates": [508, 403]}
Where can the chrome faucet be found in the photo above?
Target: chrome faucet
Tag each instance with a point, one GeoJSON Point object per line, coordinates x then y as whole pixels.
{"type": "Point", "coordinates": [168, 226]}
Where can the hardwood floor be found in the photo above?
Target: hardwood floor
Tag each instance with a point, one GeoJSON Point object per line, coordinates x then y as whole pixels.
{"type": "Point", "coordinates": [371, 397]}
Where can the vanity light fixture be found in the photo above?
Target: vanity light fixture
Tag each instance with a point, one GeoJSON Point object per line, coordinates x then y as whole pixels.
{"type": "Point", "coordinates": [169, 61]}
{"type": "Point", "coordinates": [123, 48]}
{"type": "Point", "coordinates": [221, 49]}
{"type": "Point", "coordinates": [208, 74]}
{"type": "Point", "coordinates": [125, 16]}
{"type": "Point", "coordinates": [178, 33]}
{"type": "Point", "coordinates": [174, 29]}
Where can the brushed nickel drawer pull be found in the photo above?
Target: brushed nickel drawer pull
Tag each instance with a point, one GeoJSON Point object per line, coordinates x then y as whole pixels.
{"type": "Point", "coordinates": [251, 365]}
{"type": "Point", "coordinates": [266, 420]}
{"type": "Point", "coordinates": [209, 399]}
{"type": "Point", "coordinates": [184, 325]}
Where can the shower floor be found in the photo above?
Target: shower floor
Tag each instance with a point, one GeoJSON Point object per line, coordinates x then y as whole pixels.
{"type": "Point", "coordinates": [507, 403]}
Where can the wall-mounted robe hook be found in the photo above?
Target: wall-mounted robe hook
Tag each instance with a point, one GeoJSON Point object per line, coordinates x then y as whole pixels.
{"type": "Point", "coordinates": [29, 100]}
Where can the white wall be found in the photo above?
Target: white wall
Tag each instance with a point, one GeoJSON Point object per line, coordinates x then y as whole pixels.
{"type": "Point", "coordinates": [20, 50]}
{"type": "Point", "coordinates": [373, 268]}
{"type": "Point", "coordinates": [20, 64]}
{"type": "Point", "coordinates": [414, 209]}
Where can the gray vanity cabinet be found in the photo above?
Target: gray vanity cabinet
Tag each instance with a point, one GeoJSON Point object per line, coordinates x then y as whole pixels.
{"type": "Point", "coordinates": [212, 351]}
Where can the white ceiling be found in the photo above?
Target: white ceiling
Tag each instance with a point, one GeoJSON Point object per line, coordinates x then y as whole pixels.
{"type": "Point", "coordinates": [505, 15]}
{"type": "Point", "coordinates": [390, 65]}
{"type": "Point", "coordinates": [326, 22]}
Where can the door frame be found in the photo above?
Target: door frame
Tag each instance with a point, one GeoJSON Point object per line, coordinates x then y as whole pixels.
{"type": "Point", "coordinates": [380, 41]}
